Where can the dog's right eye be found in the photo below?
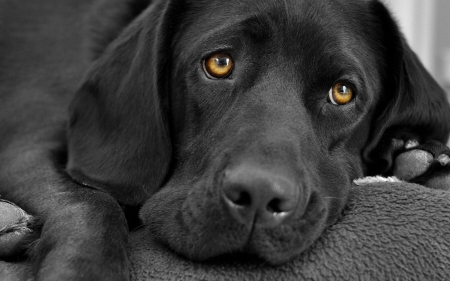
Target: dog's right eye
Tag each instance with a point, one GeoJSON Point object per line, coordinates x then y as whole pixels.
{"type": "Point", "coordinates": [341, 93]}
{"type": "Point", "coordinates": [218, 66]}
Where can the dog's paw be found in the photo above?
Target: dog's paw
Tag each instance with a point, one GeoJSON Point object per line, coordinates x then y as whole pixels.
{"type": "Point", "coordinates": [15, 230]}
{"type": "Point", "coordinates": [427, 164]}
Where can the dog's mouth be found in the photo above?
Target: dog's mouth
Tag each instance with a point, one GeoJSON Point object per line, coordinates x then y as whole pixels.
{"type": "Point", "coordinates": [199, 226]}
{"type": "Point", "coordinates": [279, 244]}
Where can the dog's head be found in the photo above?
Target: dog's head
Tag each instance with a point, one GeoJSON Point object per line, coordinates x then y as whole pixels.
{"type": "Point", "coordinates": [241, 124]}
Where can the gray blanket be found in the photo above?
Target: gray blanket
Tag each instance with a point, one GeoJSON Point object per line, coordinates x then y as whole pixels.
{"type": "Point", "coordinates": [389, 231]}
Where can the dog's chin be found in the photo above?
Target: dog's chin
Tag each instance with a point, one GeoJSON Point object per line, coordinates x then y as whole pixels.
{"type": "Point", "coordinates": [196, 225]}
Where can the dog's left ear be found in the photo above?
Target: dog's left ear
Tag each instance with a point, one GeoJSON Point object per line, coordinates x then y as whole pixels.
{"type": "Point", "coordinates": [412, 102]}
{"type": "Point", "coordinates": [118, 136]}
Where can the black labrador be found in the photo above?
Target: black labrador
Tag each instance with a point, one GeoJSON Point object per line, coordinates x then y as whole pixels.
{"type": "Point", "coordinates": [237, 125]}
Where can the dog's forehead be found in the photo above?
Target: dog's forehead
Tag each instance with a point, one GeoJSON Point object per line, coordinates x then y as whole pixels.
{"type": "Point", "coordinates": [294, 19]}
{"type": "Point", "coordinates": [217, 11]}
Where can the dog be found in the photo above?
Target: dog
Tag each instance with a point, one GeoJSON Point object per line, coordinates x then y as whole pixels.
{"type": "Point", "coordinates": [237, 125]}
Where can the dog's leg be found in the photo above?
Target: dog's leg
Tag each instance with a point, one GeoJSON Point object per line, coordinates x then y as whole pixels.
{"type": "Point", "coordinates": [84, 232]}
{"type": "Point", "coordinates": [427, 164]}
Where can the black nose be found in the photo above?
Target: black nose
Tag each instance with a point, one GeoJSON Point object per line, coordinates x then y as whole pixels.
{"type": "Point", "coordinates": [259, 195]}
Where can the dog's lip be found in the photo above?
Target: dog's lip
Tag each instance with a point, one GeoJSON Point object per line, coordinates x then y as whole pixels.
{"type": "Point", "coordinates": [313, 222]}
{"type": "Point", "coordinates": [261, 218]}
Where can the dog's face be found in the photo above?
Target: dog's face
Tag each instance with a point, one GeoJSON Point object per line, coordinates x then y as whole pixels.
{"type": "Point", "coordinates": [269, 125]}
{"type": "Point", "coordinates": [264, 109]}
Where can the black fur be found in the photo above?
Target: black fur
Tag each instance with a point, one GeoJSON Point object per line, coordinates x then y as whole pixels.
{"type": "Point", "coordinates": [148, 127]}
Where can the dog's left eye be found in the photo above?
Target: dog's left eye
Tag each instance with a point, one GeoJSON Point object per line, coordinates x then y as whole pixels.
{"type": "Point", "coordinates": [340, 94]}
{"type": "Point", "coordinates": [218, 66]}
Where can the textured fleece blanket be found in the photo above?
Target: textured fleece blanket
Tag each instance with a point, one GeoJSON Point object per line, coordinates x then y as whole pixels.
{"type": "Point", "coordinates": [389, 231]}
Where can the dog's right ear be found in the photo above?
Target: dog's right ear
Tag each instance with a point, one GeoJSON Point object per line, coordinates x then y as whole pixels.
{"type": "Point", "coordinates": [413, 105]}
{"type": "Point", "coordinates": [118, 136]}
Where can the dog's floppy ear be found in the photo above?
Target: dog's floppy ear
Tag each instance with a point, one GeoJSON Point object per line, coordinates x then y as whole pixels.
{"type": "Point", "coordinates": [118, 136]}
{"type": "Point", "coordinates": [412, 103]}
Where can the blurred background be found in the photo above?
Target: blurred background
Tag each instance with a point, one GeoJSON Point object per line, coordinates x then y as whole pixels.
{"type": "Point", "coordinates": [426, 25]}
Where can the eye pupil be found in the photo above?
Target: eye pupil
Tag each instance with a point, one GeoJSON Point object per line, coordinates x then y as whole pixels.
{"type": "Point", "coordinates": [343, 90]}
{"type": "Point", "coordinates": [222, 62]}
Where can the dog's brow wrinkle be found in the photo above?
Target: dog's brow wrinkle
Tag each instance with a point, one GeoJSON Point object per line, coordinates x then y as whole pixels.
{"type": "Point", "coordinates": [257, 17]}
{"type": "Point", "coordinates": [286, 8]}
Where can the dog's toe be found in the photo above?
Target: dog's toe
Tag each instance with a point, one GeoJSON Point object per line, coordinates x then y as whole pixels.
{"type": "Point", "coordinates": [412, 164]}
{"type": "Point", "coordinates": [443, 159]}
{"type": "Point", "coordinates": [14, 229]}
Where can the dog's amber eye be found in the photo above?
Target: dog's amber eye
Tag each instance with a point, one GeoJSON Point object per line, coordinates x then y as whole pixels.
{"type": "Point", "coordinates": [218, 66]}
{"type": "Point", "coordinates": [340, 94]}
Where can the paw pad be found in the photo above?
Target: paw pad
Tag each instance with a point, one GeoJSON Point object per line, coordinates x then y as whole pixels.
{"type": "Point", "coordinates": [411, 144]}
{"type": "Point", "coordinates": [14, 229]}
{"type": "Point", "coordinates": [412, 163]}
{"type": "Point", "coordinates": [443, 159]}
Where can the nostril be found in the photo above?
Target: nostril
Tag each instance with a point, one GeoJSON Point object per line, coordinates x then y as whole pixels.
{"type": "Point", "coordinates": [274, 206]}
{"type": "Point", "coordinates": [238, 196]}
{"type": "Point", "coordinates": [243, 199]}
